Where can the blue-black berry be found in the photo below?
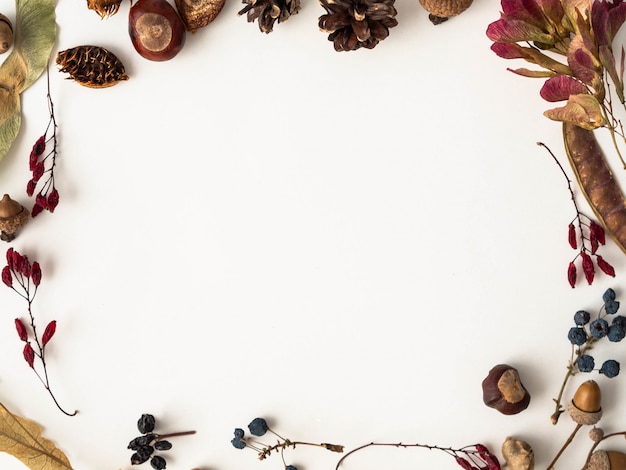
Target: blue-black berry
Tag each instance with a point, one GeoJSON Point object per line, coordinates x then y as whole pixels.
{"type": "Point", "coordinates": [146, 423]}
{"type": "Point", "coordinates": [238, 443]}
{"type": "Point", "coordinates": [144, 440]}
{"type": "Point", "coordinates": [258, 427]}
{"type": "Point", "coordinates": [619, 320]}
{"type": "Point", "coordinates": [581, 317]}
{"type": "Point", "coordinates": [599, 328]}
{"type": "Point", "coordinates": [608, 295]}
{"type": "Point", "coordinates": [163, 445]}
{"type": "Point", "coordinates": [616, 333]}
{"type": "Point", "coordinates": [291, 467]}
{"type": "Point", "coordinates": [157, 462]}
{"type": "Point", "coordinates": [239, 433]}
{"type": "Point", "coordinates": [611, 307]}
{"type": "Point", "coordinates": [610, 368]}
{"type": "Point", "coordinates": [577, 336]}
{"type": "Point", "coordinates": [585, 363]}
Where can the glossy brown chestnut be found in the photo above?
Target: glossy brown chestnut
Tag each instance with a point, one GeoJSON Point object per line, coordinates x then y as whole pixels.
{"type": "Point", "coordinates": [156, 30]}
{"type": "Point", "coordinates": [503, 390]}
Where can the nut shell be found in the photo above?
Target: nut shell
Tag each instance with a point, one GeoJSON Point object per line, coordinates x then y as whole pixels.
{"type": "Point", "coordinates": [518, 454]}
{"type": "Point", "coordinates": [445, 8]}
{"type": "Point", "coordinates": [6, 34]}
{"type": "Point", "coordinates": [197, 14]}
{"type": "Point", "coordinates": [104, 8]}
{"type": "Point", "coordinates": [92, 66]}
{"type": "Point", "coordinates": [588, 397]}
{"type": "Point", "coordinates": [12, 217]}
{"type": "Point", "coordinates": [503, 390]}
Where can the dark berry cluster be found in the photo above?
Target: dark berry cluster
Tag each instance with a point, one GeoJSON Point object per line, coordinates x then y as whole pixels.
{"type": "Point", "coordinates": [149, 442]}
{"type": "Point", "coordinates": [588, 331]}
{"type": "Point", "coordinates": [258, 427]}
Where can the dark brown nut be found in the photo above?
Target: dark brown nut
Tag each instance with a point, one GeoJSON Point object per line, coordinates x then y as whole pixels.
{"type": "Point", "coordinates": [503, 390]}
{"type": "Point", "coordinates": [156, 30]}
{"type": "Point", "coordinates": [6, 34]}
{"type": "Point", "coordinates": [12, 217]}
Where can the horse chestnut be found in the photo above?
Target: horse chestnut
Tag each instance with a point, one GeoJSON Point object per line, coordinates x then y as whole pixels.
{"type": "Point", "coordinates": [503, 390]}
{"type": "Point", "coordinates": [156, 30]}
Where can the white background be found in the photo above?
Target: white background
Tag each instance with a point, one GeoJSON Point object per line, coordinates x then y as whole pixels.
{"type": "Point", "coordinates": [342, 243]}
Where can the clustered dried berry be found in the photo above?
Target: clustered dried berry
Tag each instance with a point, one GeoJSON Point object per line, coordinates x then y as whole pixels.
{"type": "Point", "coordinates": [144, 446]}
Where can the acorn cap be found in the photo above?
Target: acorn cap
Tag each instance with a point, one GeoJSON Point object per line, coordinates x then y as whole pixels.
{"type": "Point", "coordinates": [445, 8]}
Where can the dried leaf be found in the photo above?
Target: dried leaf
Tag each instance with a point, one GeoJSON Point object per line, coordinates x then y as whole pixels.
{"type": "Point", "coordinates": [22, 439]}
{"type": "Point", "coordinates": [35, 32]}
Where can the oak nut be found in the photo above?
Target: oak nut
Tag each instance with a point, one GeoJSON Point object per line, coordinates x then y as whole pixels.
{"type": "Point", "coordinates": [504, 391]}
{"type": "Point", "coordinates": [585, 408]}
{"type": "Point", "coordinates": [6, 34]}
{"type": "Point", "coordinates": [12, 216]}
{"type": "Point", "coordinates": [518, 454]}
{"type": "Point", "coordinates": [440, 10]}
{"type": "Point", "coordinates": [607, 460]}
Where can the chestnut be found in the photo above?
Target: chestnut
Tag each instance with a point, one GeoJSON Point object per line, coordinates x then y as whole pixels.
{"type": "Point", "coordinates": [156, 30]}
{"type": "Point", "coordinates": [503, 390]}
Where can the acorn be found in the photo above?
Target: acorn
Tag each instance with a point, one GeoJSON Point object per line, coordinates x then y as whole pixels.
{"type": "Point", "coordinates": [607, 460]}
{"type": "Point", "coordinates": [197, 14]}
{"type": "Point", "coordinates": [12, 217]}
{"type": "Point", "coordinates": [6, 34]}
{"type": "Point", "coordinates": [518, 454]}
{"type": "Point", "coordinates": [440, 10]}
{"type": "Point", "coordinates": [585, 407]}
{"type": "Point", "coordinates": [504, 391]}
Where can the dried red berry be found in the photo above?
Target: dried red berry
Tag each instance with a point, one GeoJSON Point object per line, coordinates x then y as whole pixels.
{"type": "Point", "coordinates": [571, 274]}
{"type": "Point", "coordinates": [35, 273]}
{"type": "Point", "coordinates": [49, 332]}
{"type": "Point", "coordinates": [9, 256]}
{"type": "Point", "coordinates": [7, 278]}
{"type": "Point", "coordinates": [605, 266]}
{"type": "Point", "coordinates": [597, 232]}
{"type": "Point", "coordinates": [53, 200]}
{"type": "Point", "coordinates": [30, 187]}
{"type": "Point", "coordinates": [36, 210]}
{"type": "Point", "coordinates": [29, 354]}
{"type": "Point", "coordinates": [24, 267]}
{"type": "Point", "coordinates": [587, 267]}
{"type": "Point", "coordinates": [464, 463]}
{"type": "Point", "coordinates": [571, 236]}
{"type": "Point", "coordinates": [41, 200]}
{"type": "Point", "coordinates": [21, 329]}
{"type": "Point", "coordinates": [594, 244]}
{"type": "Point", "coordinates": [40, 146]}
{"type": "Point", "coordinates": [38, 171]}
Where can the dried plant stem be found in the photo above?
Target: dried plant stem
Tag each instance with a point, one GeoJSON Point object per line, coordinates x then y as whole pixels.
{"type": "Point", "coordinates": [174, 434]}
{"type": "Point", "coordinates": [567, 443]}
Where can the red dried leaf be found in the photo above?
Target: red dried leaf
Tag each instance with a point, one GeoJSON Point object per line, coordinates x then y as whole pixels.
{"type": "Point", "coordinates": [7, 278]}
{"type": "Point", "coordinates": [571, 274]}
{"type": "Point", "coordinates": [561, 87]}
{"type": "Point", "coordinates": [35, 273]}
{"type": "Point", "coordinates": [605, 266]}
{"type": "Point", "coordinates": [29, 354]}
{"type": "Point", "coordinates": [571, 236]}
{"type": "Point", "coordinates": [588, 268]}
{"type": "Point", "coordinates": [596, 231]}
{"type": "Point", "coordinates": [21, 329]}
{"type": "Point", "coordinates": [49, 332]}
{"type": "Point", "coordinates": [53, 200]}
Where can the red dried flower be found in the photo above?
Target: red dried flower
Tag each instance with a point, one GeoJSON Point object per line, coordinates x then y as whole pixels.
{"type": "Point", "coordinates": [605, 266]}
{"type": "Point", "coordinates": [49, 332]}
{"type": "Point", "coordinates": [7, 278]}
{"type": "Point", "coordinates": [587, 267]}
{"type": "Point", "coordinates": [29, 355]}
{"type": "Point", "coordinates": [35, 273]}
{"type": "Point", "coordinates": [571, 274]}
{"type": "Point", "coordinates": [571, 236]}
{"type": "Point", "coordinates": [53, 199]}
{"type": "Point", "coordinates": [21, 329]}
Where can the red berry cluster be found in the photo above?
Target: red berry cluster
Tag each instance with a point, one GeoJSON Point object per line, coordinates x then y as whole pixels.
{"type": "Point", "coordinates": [24, 278]}
{"type": "Point", "coordinates": [592, 234]}
{"type": "Point", "coordinates": [479, 458]}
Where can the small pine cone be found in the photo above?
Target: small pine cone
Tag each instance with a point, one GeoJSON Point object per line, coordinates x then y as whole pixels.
{"type": "Point", "coordinates": [267, 12]}
{"type": "Point", "coordinates": [353, 24]}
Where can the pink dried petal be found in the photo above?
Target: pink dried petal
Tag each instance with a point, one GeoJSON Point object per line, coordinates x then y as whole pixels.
{"type": "Point", "coordinates": [7, 278]}
{"type": "Point", "coordinates": [571, 236]}
{"type": "Point", "coordinates": [49, 332]}
{"type": "Point", "coordinates": [571, 274]}
{"type": "Point", "coordinates": [588, 268]}
{"type": "Point", "coordinates": [29, 354]}
{"type": "Point", "coordinates": [53, 200]}
{"type": "Point", "coordinates": [35, 273]}
{"type": "Point", "coordinates": [21, 329]}
{"type": "Point", "coordinates": [605, 266]}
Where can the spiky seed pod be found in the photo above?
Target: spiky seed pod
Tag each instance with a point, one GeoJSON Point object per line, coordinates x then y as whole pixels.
{"type": "Point", "coordinates": [92, 66]}
{"type": "Point", "coordinates": [267, 12]}
{"type": "Point", "coordinates": [353, 24]}
{"type": "Point", "coordinates": [441, 10]}
{"type": "Point", "coordinates": [104, 8]}
{"type": "Point", "coordinates": [197, 14]}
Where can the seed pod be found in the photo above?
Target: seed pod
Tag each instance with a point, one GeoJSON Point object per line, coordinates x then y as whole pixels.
{"type": "Point", "coordinates": [585, 406]}
{"type": "Point", "coordinates": [92, 66]}
{"type": "Point", "coordinates": [518, 454]}
{"type": "Point", "coordinates": [104, 8]}
{"type": "Point", "coordinates": [607, 460]}
{"type": "Point", "coordinates": [12, 217]}
{"type": "Point", "coordinates": [6, 34]}
{"type": "Point", "coordinates": [504, 391]}
{"type": "Point", "coordinates": [197, 14]}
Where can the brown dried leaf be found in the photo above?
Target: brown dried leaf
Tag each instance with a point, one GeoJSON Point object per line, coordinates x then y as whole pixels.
{"type": "Point", "coordinates": [22, 439]}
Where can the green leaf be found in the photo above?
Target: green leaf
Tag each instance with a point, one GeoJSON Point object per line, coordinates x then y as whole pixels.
{"type": "Point", "coordinates": [35, 32]}
{"type": "Point", "coordinates": [22, 439]}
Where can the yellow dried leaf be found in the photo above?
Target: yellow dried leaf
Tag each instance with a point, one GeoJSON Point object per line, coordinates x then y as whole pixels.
{"type": "Point", "coordinates": [22, 439]}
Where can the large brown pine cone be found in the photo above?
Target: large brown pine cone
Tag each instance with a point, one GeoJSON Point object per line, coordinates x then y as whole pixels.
{"type": "Point", "coordinates": [353, 24]}
{"type": "Point", "coordinates": [267, 12]}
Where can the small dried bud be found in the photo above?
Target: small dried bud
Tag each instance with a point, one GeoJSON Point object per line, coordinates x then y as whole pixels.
{"type": "Point", "coordinates": [35, 273]}
{"type": "Point", "coordinates": [25, 266]}
{"type": "Point", "coordinates": [49, 332]}
{"type": "Point", "coordinates": [605, 266]}
{"type": "Point", "coordinates": [571, 273]}
{"type": "Point", "coordinates": [596, 434]}
{"type": "Point", "coordinates": [41, 200]}
{"type": "Point", "coordinates": [29, 354]}
{"type": "Point", "coordinates": [7, 277]}
{"type": "Point", "coordinates": [37, 209]}
{"type": "Point", "coordinates": [21, 329]}
{"type": "Point", "coordinates": [587, 267]}
{"type": "Point", "coordinates": [571, 236]}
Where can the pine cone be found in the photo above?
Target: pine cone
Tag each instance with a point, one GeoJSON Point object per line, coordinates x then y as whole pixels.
{"type": "Point", "coordinates": [269, 11]}
{"type": "Point", "coordinates": [353, 24]}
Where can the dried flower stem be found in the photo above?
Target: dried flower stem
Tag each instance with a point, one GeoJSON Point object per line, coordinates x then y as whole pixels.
{"type": "Point", "coordinates": [174, 434]}
{"type": "Point", "coordinates": [567, 443]}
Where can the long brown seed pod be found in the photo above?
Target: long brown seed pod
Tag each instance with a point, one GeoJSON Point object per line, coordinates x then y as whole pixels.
{"type": "Point", "coordinates": [596, 181]}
